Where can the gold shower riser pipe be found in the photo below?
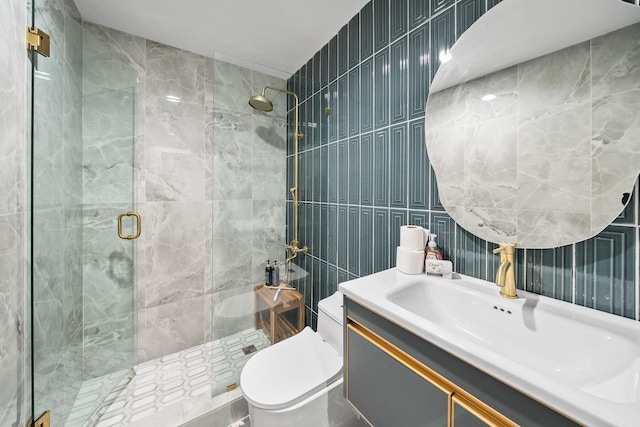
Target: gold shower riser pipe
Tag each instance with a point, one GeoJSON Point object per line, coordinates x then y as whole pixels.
{"type": "Point", "coordinates": [294, 190]}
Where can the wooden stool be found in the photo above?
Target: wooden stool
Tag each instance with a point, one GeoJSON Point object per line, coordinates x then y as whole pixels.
{"type": "Point", "coordinates": [276, 325]}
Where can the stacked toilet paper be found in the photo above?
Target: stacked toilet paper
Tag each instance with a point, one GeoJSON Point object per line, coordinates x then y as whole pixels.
{"type": "Point", "coordinates": [410, 253]}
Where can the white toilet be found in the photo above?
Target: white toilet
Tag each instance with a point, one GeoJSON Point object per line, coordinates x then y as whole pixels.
{"type": "Point", "coordinates": [298, 381]}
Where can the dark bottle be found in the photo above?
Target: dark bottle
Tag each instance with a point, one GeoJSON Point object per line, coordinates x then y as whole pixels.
{"type": "Point", "coordinates": [268, 272]}
{"type": "Point", "coordinates": [275, 276]}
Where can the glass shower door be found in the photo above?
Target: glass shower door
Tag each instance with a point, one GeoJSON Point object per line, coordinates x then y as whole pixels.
{"type": "Point", "coordinates": [83, 261]}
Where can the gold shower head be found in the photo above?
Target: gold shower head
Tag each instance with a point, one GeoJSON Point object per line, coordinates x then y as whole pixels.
{"type": "Point", "coordinates": [261, 103]}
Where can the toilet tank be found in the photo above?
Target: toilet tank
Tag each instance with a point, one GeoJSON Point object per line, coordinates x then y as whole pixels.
{"type": "Point", "coordinates": [330, 320]}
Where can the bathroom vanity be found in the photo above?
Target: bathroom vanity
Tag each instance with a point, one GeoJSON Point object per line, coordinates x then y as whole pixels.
{"type": "Point", "coordinates": [428, 351]}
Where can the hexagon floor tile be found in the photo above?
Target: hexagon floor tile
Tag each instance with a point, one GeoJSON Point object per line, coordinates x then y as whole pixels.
{"type": "Point", "coordinates": [187, 374]}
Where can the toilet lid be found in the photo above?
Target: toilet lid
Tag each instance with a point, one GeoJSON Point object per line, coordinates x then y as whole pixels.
{"type": "Point", "coordinates": [290, 371]}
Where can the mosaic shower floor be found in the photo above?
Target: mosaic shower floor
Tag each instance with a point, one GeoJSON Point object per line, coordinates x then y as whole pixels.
{"type": "Point", "coordinates": [177, 388]}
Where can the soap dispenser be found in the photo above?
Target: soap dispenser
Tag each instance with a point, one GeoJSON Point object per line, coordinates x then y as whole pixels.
{"type": "Point", "coordinates": [432, 251]}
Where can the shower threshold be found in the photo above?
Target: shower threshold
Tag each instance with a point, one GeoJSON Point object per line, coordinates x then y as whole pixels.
{"type": "Point", "coordinates": [177, 388]}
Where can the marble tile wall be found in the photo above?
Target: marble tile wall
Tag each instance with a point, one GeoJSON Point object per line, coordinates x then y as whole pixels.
{"type": "Point", "coordinates": [15, 397]}
{"type": "Point", "coordinates": [365, 170]}
{"type": "Point", "coordinates": [209, 185]}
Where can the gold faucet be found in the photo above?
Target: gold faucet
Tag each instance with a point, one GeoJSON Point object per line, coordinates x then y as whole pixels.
{"type": "Point", "coordinates": [505, 276]}
{"type": "Point", "coordinates": [293, 249]}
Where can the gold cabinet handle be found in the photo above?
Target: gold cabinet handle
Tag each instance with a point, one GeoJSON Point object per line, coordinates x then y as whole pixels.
{"type": "Point", "coordinates": [138, 226]}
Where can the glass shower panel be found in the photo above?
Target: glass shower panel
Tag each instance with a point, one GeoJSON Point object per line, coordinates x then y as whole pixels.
{"type": "Point", "coordinates": [83, 274]}
{"type": "Point", "coordinates": [248, 225]}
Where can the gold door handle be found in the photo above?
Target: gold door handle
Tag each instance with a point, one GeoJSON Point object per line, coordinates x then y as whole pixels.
{"type": "Point", "coordinates": [138, 226]}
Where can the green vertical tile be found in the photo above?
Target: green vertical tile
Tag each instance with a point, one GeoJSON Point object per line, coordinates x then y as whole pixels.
{"type": "Point", "coordinates": [354, 170]}
{"type": "Point", "coordinates": [470, 255]}
{"type": "Point", "coordinates": [468, 12]}
{"type": "Point", "coordinates": [605, 271]}
{"type": "Point", "coordinates": [315, 285]}
{"type": "Point", "coordinates": [443, 226]}
{"type": "Point", "coordinates": [342, 276]}
{"type": "Point", "coordinates": [317, 65]}
{"type": "Point", "coordinates": [366, 241]}
{"type": "Point", "coordinates": [549, 272]}
{"type": "Point", "coordinates": [323, 122]}
{"type": "Point", "coordinates": [366, 96]}
{"type": "Point", "coordinates": [366, 169]}
{"type": "Point", "coordinates": [438, 6]}
{"type": "Point", "coordinates": [314, 121]}
{"type": "Point", "coordinates": [380, 240]}
{"type": "Point", "coordinates": [324, 65]}
{"type": "Point", "coordinates": [434, 201]}
{"type": "Point", "coordinates": [442, 37]}
{"type": "Point", "coordinates": [381, 89]}
{"type": "Point", "coordinates": [418, 74]}
{"type": "Point", "coordinates": [492, 3]}
{"type": "Point", "coordinates": [380, 24]}
{"type": "Point", "coordinates": [343, 50]}
{"type": "Point", "coordinates": [332, 250]}
{"type": "Point", "coordinates": [398, 167]}
{"type": "Point", "coordinates": [316, 241]}
{"type": "Point", "coordinates": [354, 41]}
{"type": "Point", "coordinates": [343, 236]}
{"type": "Point", "coordinates": [343, 171]}
{"type": "Point", "coordinates": [397, 218]}
{"type": "Point", "coordinates": [381, 168]}
{"type": "Point", "coordinates": [398, 19]}
{"type": "Point", "coordinates": [324, 159]}
{"type": "Point", "coordinates": [420, 218]}
{"type": "Point", "coordinates": [290, 222]}
{"type": "Point", "coordinates": [418, 167]}
{"type": "Point", "coordinates": [332, 279]}
{"type": "Point", "coordinates": [354, 101]}
{"type": "Point", "coordinates": [304, 143]}
{"type": "Point", "coordinates": [332, 173]}
{"type": "Point", "coordinates": [332, 119]}
{"type": "Point", "coordinates": [353, 261]}
{"type": "Point", "coordinates": [398, 81]}
{"type": "Point", "coordinates": [366, 31]}
{"type": "Point", "coordinates": [304, 178]}
{"type": "Point", "coordinates": [333, 58]}
{"type": "Point", "coordinates": [418, 13]}
{"type": "Point", "coordinates": [324, 281]}
{"type": "Point", "coordinates": [324, 232]}
{"type": "Point", "coordinates": [343, 105]}
{"type": "Point", "coordinates": [317, 175]}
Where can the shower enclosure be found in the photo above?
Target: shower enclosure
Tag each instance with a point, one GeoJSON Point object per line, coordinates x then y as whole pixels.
{"type": "Point", "coordinates": [83, 274]}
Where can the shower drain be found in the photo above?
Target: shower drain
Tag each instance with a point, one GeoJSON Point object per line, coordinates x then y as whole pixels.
{"type": "Point", "coordinates": [249, 349]}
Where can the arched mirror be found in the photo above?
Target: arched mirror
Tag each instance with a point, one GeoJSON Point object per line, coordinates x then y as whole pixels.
{"type": "Point", "coordinates": [533, 121]}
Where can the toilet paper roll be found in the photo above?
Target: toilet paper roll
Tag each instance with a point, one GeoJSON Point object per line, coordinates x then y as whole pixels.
{"type": "Point", "coordinates": [409, 261]}
{"type": "Point", "coordinates": [413, 237]}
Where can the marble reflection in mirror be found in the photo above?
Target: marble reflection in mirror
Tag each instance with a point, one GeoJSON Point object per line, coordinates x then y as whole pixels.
{"type": "Point", "coordinates": [541, 152]}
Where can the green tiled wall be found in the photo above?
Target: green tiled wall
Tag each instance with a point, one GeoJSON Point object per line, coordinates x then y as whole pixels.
{"type": "Point", "coordinates": [364, 169]}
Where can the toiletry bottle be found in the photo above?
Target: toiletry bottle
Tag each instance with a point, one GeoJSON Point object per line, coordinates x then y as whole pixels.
{"type": "Point", "coordinates": [432, 251]}
{"type": "Point", "coordinates": [275, 277]}
{"type": "Point", "coordinates": [267, 274]}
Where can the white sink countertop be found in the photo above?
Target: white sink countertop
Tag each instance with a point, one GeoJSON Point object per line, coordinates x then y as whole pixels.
{"type": "Point", "coordinates": [582, 362]}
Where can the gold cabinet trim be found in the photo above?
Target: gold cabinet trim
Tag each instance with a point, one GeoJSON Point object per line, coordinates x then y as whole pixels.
{"type": "Point", "coordinates": [462, 397]}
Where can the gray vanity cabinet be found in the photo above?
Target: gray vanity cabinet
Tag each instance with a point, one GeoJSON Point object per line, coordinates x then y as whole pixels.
{"type": "Point", "coordinates": [395, 395]}
{"type": "Point", "coordinates": [394, 378]}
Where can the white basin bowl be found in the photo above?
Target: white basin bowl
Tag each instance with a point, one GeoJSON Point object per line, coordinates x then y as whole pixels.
{"type": "Point", "coordinates": [582, 362]}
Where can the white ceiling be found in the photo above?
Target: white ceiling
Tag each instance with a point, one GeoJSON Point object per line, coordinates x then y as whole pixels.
{"type": "Point", "coordinates": [272, 36]}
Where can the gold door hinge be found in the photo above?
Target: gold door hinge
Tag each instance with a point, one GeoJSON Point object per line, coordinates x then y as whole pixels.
{"type": "Point", "coordinates": [38, 40]}
{"type": "Point", "coordinates": [44, 420]}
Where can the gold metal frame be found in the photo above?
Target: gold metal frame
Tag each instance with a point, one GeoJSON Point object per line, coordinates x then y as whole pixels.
{"type": "Point", "coordinates": [138, 226]}
{"type": "Point", "coordinates": [38, 41]}
{"type": "Point", "coordinates": [293, 248]}
{"type": "Point", "coordinates": [44, 420]}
